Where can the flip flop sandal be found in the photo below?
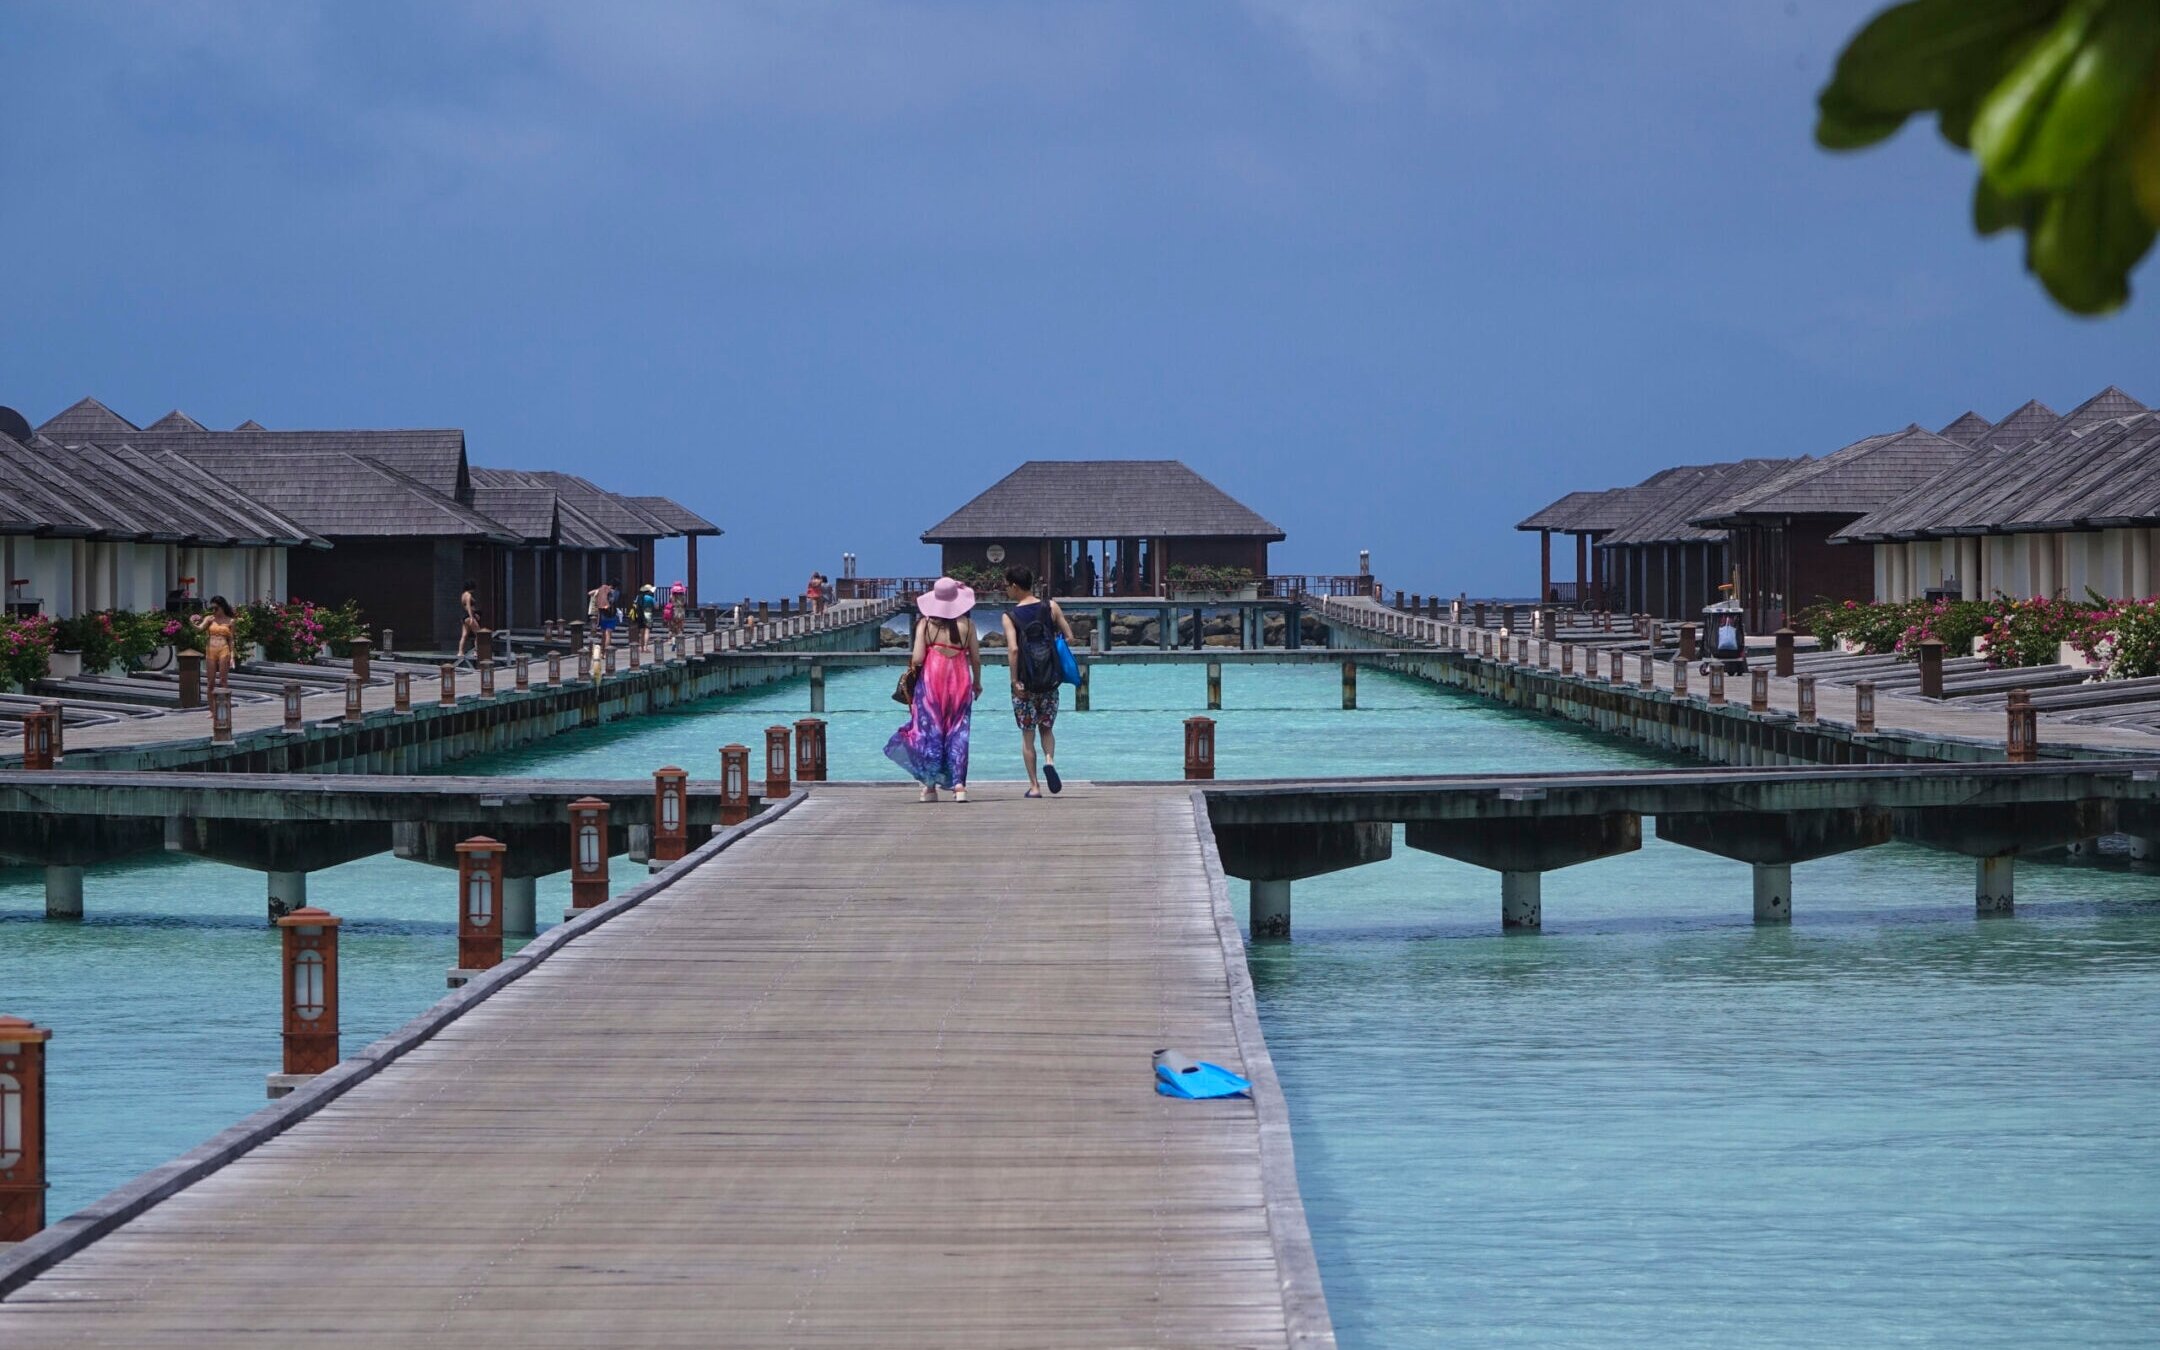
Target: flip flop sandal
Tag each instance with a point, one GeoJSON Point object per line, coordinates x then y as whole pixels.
{"type": "Point", "coordinates": [1050, 776]}
{"type": "Point", "coordinates": [1032, 793]}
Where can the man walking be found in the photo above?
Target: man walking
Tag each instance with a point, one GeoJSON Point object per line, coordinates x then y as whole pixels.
{"type": "Point", "coordinates": [1032, 628]}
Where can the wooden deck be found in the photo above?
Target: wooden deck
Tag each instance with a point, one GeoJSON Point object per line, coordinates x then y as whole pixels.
{"type": "Point", "coordinates": [879, 1075]}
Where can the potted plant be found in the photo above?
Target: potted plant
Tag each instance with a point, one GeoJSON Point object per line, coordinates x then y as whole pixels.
{"type": "Point", "coordinates": [1188, 582]}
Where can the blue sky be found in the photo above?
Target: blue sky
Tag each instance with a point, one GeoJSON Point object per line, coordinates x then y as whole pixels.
{"type": "Point", "coordinates": [1395, 274]}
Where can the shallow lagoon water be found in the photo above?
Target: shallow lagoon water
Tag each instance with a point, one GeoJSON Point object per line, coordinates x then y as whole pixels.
{"type": "Point", "coordinates": [1886, 1124]}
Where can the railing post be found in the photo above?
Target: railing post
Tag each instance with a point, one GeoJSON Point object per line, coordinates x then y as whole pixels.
{"type": "Point", "coordinates": [810, 750]}
{"type": "Point", "coordinates": [480, 908]}
{"type": "Point", "coordinates": [734, 784]}
{"type": "Point", "coordinates": [1785, 652]}
{"type": "Point", "coordinates": [671, 814]}
{"type": "Point", "coordinates": [310, 947]}
{"type": "Point", "coordinates": [776, 763]}
{"type": "Point", "coordinates": [1199, 748]}
{"type": "Point", "coordinates": [2022, 743]}
{"type": "Point", "coordinates": [22, 1129]}
{"type": "Point", "coordinates": [1931, 671]}
{"type": "Point", "coordinates": [361, 656]}
{"type": "Point", "coordinates": [588, 853]}
{"type": "Point", "coordinates": [191, 690]}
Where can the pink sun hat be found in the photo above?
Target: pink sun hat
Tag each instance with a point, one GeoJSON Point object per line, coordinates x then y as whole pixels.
{"type": "Point", "coordinates": [946, 599]}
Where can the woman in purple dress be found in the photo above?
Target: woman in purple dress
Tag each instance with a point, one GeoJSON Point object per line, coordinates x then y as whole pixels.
{"type": "Point", "coordinates": [947, 663]}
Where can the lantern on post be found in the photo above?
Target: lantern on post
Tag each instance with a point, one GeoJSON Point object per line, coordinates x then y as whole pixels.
{"type": "Point", "coordinates": [607, 665]}
{"type": "Point", "coordinates": [2023, 743]}
{"type": "Point", "coordinates": [734, 784]}
{"type": "Point", "coordinates": [1544, 654]}
{"type": "Point", "coordinates": [636, 647]}
{"type": "Point", "coordinates": [354, 688]}
{"type": "Point", "coordinates": [22, 1129]}
{"type": "Point", "coordinates": [480, 913]}
{"type": "Point", "coordinates": [311, 996]}
{"type": "Point", "coordinates": [487, 679]}
{"type": "Point", "coordinates": [588, 853]}
{"type": "Point", "coordinates": [1717, 684]}
{"type": "Point", "coordinates": [37, 740]}
{"type": "Point", "coordinates": [670, 814]}
{"type": "Point", "coordinates": [401, 690]}
{"type": "Point", "coordinates": [292, 707]}
{"type": "Point", "coordinates": [58, 711]}
{"type": "Point", "coordinates": [448, 688]}
{"type": "Point", "coordinates": [1645, 671]}
{"type": "Point", "coordinates": [776, 763]}
{"type": "Point", "coordinates": [1199, 748]}
{"type": "Point", "coordinates": [522, 673]}
{"type": "Point", "coordinates": [221, 715]}
{"type": "Point", "coordinates": [1679, 679]}
{"type": "Point", "coordinates": [1616, 667]}
{"type": "Point", "coordinates": [554, 669]}
{"type": "Point", "coordinates": [1758, 699]}
{"type": "Point", "coordinates": [1567, 658]}
{"type": "Point", "coordinates": [1863, 708]}
{"type": "Point", "coordinates": [810, 750]}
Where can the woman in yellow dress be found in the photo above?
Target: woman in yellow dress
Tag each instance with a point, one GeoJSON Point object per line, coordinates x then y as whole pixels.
{"type": "Point", "coordinates": [221, 643]}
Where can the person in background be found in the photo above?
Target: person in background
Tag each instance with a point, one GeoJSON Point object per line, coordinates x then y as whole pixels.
{"type": "Point", "coordinates": [220, 628]}
{"type": "Point", "coordinates": [933, 746]}
{"type": "Point", "coordinates": [644, 612]}
{"type": "Point", "coordinates": [811, 592]}
{"type": "Point", "coordinates": [468, 624]}
{"type": "Point", "coordinates": [600, 620]}
{"type": "Point", "coordinates": [1030, 626]}
{"type": "Point", "coordinates": [678, 609]}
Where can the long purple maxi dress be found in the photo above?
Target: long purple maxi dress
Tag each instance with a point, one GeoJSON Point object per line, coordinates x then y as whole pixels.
{"type": "Point", "coordinates": [933, 746]}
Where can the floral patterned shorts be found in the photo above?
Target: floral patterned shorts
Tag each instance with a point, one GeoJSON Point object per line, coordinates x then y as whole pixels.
{"type": "Point", "coordinates": [1035, 710]}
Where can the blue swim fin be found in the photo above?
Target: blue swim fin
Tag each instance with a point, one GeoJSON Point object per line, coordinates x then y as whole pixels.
{"type": "Point", "coordinates": [1178, 1076]}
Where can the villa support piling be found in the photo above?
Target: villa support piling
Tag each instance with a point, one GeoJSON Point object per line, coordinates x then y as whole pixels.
{"type": "Point", "coordinates": [1522, 902]}
{"type": "Point", "coordinates": [63, 892]}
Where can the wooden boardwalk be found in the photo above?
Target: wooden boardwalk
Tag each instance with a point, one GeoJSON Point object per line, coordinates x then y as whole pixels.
{"type": "Point", "coordinates": [879, 1075]}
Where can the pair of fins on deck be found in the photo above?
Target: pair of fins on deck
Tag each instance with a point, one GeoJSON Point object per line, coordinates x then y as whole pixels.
{"type": "Point", "coordinates": [1177, 1075]}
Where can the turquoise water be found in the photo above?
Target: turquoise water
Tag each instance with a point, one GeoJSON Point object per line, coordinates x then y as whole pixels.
{"type": "Point", "coordinates": [1886, 1124]}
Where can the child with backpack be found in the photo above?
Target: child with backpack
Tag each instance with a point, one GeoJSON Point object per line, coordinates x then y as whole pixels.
{"type": "Point", "coordinates": [1032, 628]}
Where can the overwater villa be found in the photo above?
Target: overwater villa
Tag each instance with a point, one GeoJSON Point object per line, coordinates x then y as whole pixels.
{"type": "Point", "coordinates": [104, 514]}
{"type": "Point", "coordinates": [2037, 503]}
{"type": "Point", "coordinates": [1105, 527]}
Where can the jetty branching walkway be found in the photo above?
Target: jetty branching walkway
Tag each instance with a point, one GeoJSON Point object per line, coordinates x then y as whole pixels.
{"type": "Point", "coordinates": [843, 1077]}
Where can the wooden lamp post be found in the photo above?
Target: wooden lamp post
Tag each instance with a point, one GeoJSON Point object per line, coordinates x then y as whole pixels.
{"type": "Point", "coordinates": [2023, 743]}
{"type": "Point", "coordinates": [37, 740]}
{"type": "Point", "coordinates": [588, 853]}
{"type": "Point", "coordinates": [671, 832]}
{"type": "Point", "coordinates": [810, 750]}
{"type": "Point", "coordinates": [221, 715]}
{"type": "Point", "coordinates": [776, 763]}
{"type": "Point", "coordinates": [734, 784]}
{"type": "Point", "coordinates": [480, 911]}
{"type": "Point", "coordinates": [1199, 748]}
{"type": "Point", "coordinates": [22, 1129]}
{"type": "Point", "coordinates": [311, 996]}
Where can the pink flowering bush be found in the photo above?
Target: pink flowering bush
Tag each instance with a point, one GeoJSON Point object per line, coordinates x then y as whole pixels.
{"type": "Point", "coordinates": [2123, 639]}
{"type": "Point", "coordinates": [26, 648]}
{"type": "Point", "coordinates": [2031, 632]}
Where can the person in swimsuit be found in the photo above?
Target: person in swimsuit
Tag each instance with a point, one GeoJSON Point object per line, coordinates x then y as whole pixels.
{"type": "Point", "coordinates": [220, 628]}
{"type": "Point", "coordinates": [933, 746]}
{"type": "Point", "coordinates": [600, 620]}
{"type": "Point", "coordinates": [468, 625]}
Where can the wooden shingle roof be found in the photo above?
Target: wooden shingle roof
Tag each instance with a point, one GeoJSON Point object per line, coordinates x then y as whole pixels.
{"type": "Point", "coordinates": [1863, 476]}
{"type": "Point", "coordinates": [332, 493]}
{"type": "Point", "coordinates": [86, 419]}
{"type": "Point", "coordinates": [2105, 406]}
{"type": "Point", "coordinates": [676, 516]}
{"type": "Point", "coordinates": [432, 456]}
{"type": "Point", "coordinates": [1102, 499]}
{"type": "Point", "coordinates": [2033, 418]}
{"type": "Point", "coordinates": [176, 420]}
{"type": "Point", "coordinates": [613, 512]}
{"type": "Point", "coordinates": [119, 493]}
{"type": "Point", "coordinates": [2098, 476]}
{"type": "Point", "coordinates": [1667, 505]}
{"type": "Point", "coordinates": [1969, 429]}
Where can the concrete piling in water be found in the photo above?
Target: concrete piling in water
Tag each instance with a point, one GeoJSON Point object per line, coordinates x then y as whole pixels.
{"type": "Point", "coordinates": [1080, 690]}
{"type": "Point", "coordinates": [817, 686]}
{"type": "Point", "coordinates": [284, 892]}
{"type": "Point", "coordinates": [1349, 684]}
{"type": "Point", "coordinates": [1268, 909]}
{"type": "Point", "coordinates": [1773, 892]}
{"type": "Point", "coordinates": [1995, 886]}
{"type": "Point", "coordinates": [63, 892]}
{"type": "Point", "coordinates": [1522, 902]}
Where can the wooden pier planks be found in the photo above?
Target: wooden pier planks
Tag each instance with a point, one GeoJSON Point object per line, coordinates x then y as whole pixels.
{"type": "Point", "coordinates": [879, 1075]}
